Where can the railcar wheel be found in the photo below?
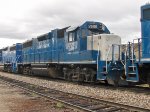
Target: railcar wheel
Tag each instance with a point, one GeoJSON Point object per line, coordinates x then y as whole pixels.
{"type": "Point", "coordinates": [24, 71]}
{"type": "Point", "coordinates": [9, 69]}
{"type": "Point", "coordinates": [54, 73]}
{"type": "Point", "coordinates": [30, 72]}
{"type": "Point", "coordinates": [116, 84]}
{"type": "Point", "coordinates": [77, 75]}
{"type": "Point", "coordinates": [69, 78]}
{"type": "Point", "coordinates": [87, 77]}
{"type": "Point", "coordinates": [20, 69]}
{"type": "Point", "coordinates": [106, 82]}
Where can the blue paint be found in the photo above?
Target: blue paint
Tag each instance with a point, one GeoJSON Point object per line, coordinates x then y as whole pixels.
{"type": "Point", "coordinates": [101, 69]}
{"type": "Point", "coordinates": [1, 61]}
{"type": "Point", "coordinates": [12, 56]}
{"type": "Point", "coordinates": [145, 30]}
{"type": "Point", "coordinates": [59, 49]}
{"type": "Point", "coordinates": [62, 46]}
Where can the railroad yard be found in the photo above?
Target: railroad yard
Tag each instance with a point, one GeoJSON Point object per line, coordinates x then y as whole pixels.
{"type": "Point", "coordinates": [136, 97]}
{"type": "Point", "coordinates": [13, 99]}
{"type": "Point", "coordinates": [74, 56]}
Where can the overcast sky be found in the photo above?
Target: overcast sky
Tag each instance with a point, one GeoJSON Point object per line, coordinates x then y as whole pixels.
{"type": "Point", "coordinates": [21, 20]}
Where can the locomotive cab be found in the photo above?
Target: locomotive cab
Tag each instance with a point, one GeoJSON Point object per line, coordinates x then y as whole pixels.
{"type": "Point", "coordinates": [86, 51]}
{"type": "Point", "coordinates": [145, 27]}
{"type": "Point", "coordinates": [137, 61]}
{"type": "Point", "coordinates": [76, 40]}
{"type": "Point", "coordinates": [144, 60]}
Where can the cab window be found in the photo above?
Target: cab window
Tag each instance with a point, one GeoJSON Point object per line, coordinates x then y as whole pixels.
{"type": "Point", "coordinates": [72, 36]}
{"type": "Point", "coordinates": [94, 32]}
{"type": "Point", "coordinates": [146, 14]}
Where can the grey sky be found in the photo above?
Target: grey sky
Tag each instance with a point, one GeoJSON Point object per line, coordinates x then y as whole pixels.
{"type": "Point", "coordinates": [26, 19]}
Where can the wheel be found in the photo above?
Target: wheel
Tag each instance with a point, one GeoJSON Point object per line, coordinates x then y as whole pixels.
{"type": "Point", "coordinates": [30, 72]}
{"type": "Point", "coordinates": [106, 82]}
{"type": "Point", "coordinates": [116, 84]}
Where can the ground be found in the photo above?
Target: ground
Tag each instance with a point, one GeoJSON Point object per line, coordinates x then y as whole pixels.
{"type": "Point", "coordinates": [16, 100]}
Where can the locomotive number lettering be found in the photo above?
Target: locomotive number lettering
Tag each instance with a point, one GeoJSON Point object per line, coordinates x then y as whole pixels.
{"type": "Point", "coordinates": [92, 26]}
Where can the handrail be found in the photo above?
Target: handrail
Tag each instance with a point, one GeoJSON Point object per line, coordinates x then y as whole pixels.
{"type": "Point", "coordinates": [113, 45]}
{"type": "Point", "coordinates": [107, 57]}
{"type": "Point", "coordinates": [126, 54]}
{"type": "Point", "coordinates": [133, 54]}
{"type": "Point", "coordinates": [139, 47]}
{"type": "Point", "coordinates": [98, 54]}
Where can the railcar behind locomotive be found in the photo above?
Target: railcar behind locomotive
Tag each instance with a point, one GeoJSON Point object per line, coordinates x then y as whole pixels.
{"type": "Point", "coordinates": [143, 58]}
{"type": "Point", "coordinates": [135, 66]}
{"type": "Point", "coordinates": [11, 58]}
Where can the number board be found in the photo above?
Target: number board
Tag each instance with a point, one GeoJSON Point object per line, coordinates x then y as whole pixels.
{"type": "Point", "coordinates": [92, 26]}
{"type": "Point", "coordinates": [95, 26]}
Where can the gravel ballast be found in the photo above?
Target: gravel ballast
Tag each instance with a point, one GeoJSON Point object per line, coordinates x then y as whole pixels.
{"type": "Point", "coordinates": [114, 95]}
{"type": "Point", "coordinates": [13, 99]}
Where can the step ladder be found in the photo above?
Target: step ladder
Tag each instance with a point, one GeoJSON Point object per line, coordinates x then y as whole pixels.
{"type": "Point", "coordinates": [131, 70]}
{"type": "Point", "coordinates": [132, 73]}
{"type": "Point", "coordinates": [103, 73]}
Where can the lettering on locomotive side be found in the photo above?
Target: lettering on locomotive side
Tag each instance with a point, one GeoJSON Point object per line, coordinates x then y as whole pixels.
{"type": "Point", "coordinates": [43, 44]}
{"type": "Point", "coordinates": [71, 46]}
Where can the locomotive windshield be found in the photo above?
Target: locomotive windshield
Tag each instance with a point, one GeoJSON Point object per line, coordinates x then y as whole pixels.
{"type": "Point", "coordinates": [146, 14]}
{"type": "Point", "coordinates": [72, 36]}
{"type": "Point", "coordinates": [95, 32]}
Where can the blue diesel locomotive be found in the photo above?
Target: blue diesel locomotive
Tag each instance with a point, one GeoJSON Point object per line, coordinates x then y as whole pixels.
{"type": "Point", "coordinates": [143, 58]}
{"type": "Point", "coordinates": [73, 53]}
{"type": "Point", "coordinates": [86, 53]}
{"type": "Point", "coordinates": [69, 53]}
{"type": "Point", "coordinates": [11, 58]}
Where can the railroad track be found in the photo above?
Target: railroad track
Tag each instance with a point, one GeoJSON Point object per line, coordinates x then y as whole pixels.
{"type": "Point", "coordinates": [133, 88]}
{"type": "Point", "coordinates": [83, 103]}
